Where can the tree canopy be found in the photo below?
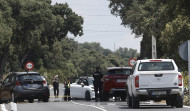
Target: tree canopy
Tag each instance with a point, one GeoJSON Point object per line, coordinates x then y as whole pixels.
{"type": "Point", "coordinates": [167, 20]}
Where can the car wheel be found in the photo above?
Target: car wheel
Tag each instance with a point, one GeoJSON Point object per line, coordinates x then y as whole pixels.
{"type": "Point", "coordinates": [45, 99]}
{"type": "Point", "coordinates": [87, 96]}
{"type": "Point", "coordinates": [13, 99]}
{"type": "Point", "coordinates": [30, 100]}
{"type": "Point", "coordinates": [135, 102]}
{"type": "Point", "coordinates": [168, 102]}
{"type": "Point", "coordinates": [129, 100]}
{"type": "Point", "coordinates": [179, 102]}
{"type": "Point", "coordinates": [123, 98]}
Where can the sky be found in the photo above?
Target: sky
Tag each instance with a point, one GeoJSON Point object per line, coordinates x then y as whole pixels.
{"type": "Point", "coordinates": [101, 26]}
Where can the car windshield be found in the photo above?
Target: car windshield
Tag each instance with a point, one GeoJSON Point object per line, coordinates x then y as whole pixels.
{"type": "Point", "coordinates": [90, 81]}
{"type": "Point", "coordinates": [119, 72]}
{"type": "Point", "coordinates": [155, 66]}
{"type": "Point", "coordinates": [34, 77]}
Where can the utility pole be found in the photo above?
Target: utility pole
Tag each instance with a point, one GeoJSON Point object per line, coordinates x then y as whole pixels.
{"type": "Point", "coordinates": [154, 52]}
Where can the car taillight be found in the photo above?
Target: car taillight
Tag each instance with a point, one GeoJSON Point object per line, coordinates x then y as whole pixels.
{"type": "Point", "coordinates": [44, 82]}
{"type": "Point", "coordinates": [137, 81]}
{"type": "Point", "coordinates": [180, 80]}
{"type": "Point", "coordinates": [18, 83]}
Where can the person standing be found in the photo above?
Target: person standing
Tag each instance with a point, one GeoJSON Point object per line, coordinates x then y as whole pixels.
{"type": "Point", "coordinates": [56, 86]}
{"type": "Point", "coordinates": [98, 83]}
{"type": "Point", "coordinates": [67, 91]}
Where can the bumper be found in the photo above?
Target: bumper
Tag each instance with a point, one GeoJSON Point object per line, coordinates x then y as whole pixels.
{"type": "Point", "coordinates": [115, 91]}
{"type": "Point", "coordinates": [34, 94]}
{"type": "Point", "coordinates": [159, 91]}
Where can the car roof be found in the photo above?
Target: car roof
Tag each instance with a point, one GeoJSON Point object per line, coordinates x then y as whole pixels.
{"type": "Point", "coordinates": [21, 73]}
{"type": "Point", "coordinates": [111, 68]}
{"type": "Point", "coordinates": [156, 60]}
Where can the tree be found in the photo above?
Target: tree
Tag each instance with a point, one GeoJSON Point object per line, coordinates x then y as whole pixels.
{"type": "Point", "coordinates": [32, 24]}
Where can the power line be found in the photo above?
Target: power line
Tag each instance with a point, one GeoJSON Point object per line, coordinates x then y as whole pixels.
{"type": "Point", "coordinates": [103, 24]}
{"type": "Point", "coordinates": [93, 15]}
{"type": "Point", "coordinates": [103, 31]}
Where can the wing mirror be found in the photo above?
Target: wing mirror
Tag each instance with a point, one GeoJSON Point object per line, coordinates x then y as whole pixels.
{"type": "Point", "coordinates": [82, 84]}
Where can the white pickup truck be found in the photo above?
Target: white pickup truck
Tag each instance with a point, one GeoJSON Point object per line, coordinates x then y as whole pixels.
{"type": "Point", "coordinates": [155, 79]}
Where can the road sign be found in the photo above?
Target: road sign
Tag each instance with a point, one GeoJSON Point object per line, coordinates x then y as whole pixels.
{"type": "Point", "coordinates": [29, 65]}
{"type": "Point", "coordinates": [183, 50]}
{"type": "Point", "coordinates": [132, 62]}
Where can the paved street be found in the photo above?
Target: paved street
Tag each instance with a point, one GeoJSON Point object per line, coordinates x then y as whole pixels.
{"type": "Point", "coordinates": [57, 104]}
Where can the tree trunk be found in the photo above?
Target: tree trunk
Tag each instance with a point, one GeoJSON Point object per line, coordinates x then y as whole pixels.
{"type": "Point", "coordinates": [3, 60]}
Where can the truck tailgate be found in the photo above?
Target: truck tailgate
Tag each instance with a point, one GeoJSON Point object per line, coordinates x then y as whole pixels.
{"type": "Point", "coordinates": [158, 79]}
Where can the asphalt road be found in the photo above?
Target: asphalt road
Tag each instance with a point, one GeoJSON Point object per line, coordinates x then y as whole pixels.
{"type": "Point", "coordinates": [57, 104]}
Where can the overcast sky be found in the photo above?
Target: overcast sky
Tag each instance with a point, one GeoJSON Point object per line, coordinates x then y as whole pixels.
{"type": "Point", "coordinates": [101, 26]}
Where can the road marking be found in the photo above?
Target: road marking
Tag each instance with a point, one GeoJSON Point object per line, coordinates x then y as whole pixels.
{"type": "Point", "coordinates": [3, 108]}
{"type": "Point", "coordinates": [186, 106]}
{"type": "Point", "coordinates": [89, 106]}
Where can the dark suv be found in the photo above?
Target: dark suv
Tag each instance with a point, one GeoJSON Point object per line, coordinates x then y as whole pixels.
{"type": "Point", "coordinates": [114, 82]}
{"type": "Point", "coordinates": [20, 86]}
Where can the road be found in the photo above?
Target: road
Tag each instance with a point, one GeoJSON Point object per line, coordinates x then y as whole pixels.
{"type": "Point", "coordinates": [57, 104]}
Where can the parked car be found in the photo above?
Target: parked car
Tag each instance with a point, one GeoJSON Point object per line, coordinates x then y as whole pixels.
{"type": "Point", "coordinates": [114, 82]}
{"type": "Point", "coordinates": [82, 89]}
{"type": "Point", "coordinates": [19, 86]}
{"type": "Point", "coordinates": [155, 79]}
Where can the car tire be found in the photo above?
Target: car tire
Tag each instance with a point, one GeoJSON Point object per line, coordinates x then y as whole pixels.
{"type": "Point", "coordinates": [30, 100]}
{"type": "Point", "coordinates": [168, 102]}
{"type": "Point", "coordinates": [45, 99]}
{"type": "Point", "coordinates": [135, 102]}
{"type": "Point", "coordinates": [105, 96]}
{"type": "Point", "coordinates": [87, 96]}
{"type": "Point", "coordinates": [123, 98]}
{"type": "Point", "coordinates": [13, 99]}
{"type": "Point", "coordinates": [179, 101]}
{"type": "Point", "coordinates": [129, 100]}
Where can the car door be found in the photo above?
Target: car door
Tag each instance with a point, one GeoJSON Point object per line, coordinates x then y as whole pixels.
{"type": "Point", "coordinates": [76, 89]}
{"type": "Point", "coordinates": [6, 88]}
{"type": "Point", "coordinates": [84, 88]}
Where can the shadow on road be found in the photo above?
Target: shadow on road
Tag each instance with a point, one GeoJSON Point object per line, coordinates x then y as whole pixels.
{"type": "Point", "coordinates": [148, 107]}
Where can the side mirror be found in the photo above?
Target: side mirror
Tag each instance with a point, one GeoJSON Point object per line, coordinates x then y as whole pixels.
{"type": "Point", "coordinates": [82, 84]}
{"type": "Point", "coordinates": [179, 70]}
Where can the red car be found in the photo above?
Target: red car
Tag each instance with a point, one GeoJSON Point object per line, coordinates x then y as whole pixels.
{"type": "Point", "coordinates": [114, 82]}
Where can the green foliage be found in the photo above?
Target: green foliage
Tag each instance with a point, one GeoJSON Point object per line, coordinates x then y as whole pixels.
{"type": "Point", "coordinates": [167, 20]}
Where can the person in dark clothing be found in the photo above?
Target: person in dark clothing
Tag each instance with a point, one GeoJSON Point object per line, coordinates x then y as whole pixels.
{"type": "Point", "coordinates": [56, 86]}
{"type": "Point", "coordinates": [67, 91]}
{"type": "Point", "coordinates": [98, 83]}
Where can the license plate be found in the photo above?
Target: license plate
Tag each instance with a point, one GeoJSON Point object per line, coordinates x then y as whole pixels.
{"type": "Point", "coordinates": [121, 80]}
{"type": "Point", "coordinates": [158, 92]}
{"type": "Point", "coordinates": [32, 85]}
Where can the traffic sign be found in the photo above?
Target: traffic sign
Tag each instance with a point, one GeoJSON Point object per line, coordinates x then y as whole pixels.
{"type": "Point", "coordinates": [29, 65]}
{"type": "Point", "coordinates": [132, 62]}
{"type": "Point", "coordinates": [183, 50]}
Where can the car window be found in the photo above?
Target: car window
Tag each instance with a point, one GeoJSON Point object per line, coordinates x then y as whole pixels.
{"type": "Point", "coordinates": [155, 66]}
{"type": "Point", "coordinates": [119, 72]}
{"type": "Point", "coordinates": [11, 79]}
{"type": "Point", "coordinates": [33, 77]}
{"type": "Point", "coordinates": [90, 81]}
{"type": "Point", "coordinates": [79, 81]}
{"type": "Point", "coordinates": [6, 80]}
